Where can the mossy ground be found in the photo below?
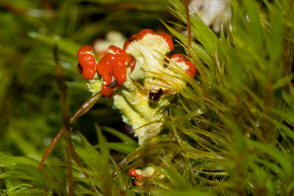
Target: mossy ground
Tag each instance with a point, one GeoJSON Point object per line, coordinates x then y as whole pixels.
{"type": "Point", "coordinates": [230, 132]}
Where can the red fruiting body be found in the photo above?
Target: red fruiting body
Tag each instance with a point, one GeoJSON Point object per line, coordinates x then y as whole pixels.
{"type": "Point", "coordinates": [144, 32]}
{"type": "Point", "coordinates": [87, 60]}
{"type": "Point", "coordinates": [83, 49]}
{"type": "Point", "coordinates": [127, 43]}
{"type": "Point", "coordinates": [88, 64]}
{"type": "Point", "coordinates": [123, 56]}
{"type": "Point", "coordinates": [132, 172]}
{"type": "Point", "coordinates": [116, 50]}
{"type": "Point", "coordinates": [138, 36]}
{"type": "Point", "coordinates": [88, 73]}
{"type": "Point", "coordinates": [120, 71]}
{"type": "Point", "coordinates": [192, 69]}
{"type": "Point", "coordinates": [115, 65]}
{"type": "Point", "coordinates": [105, 68]}
{"type": "Point", "coordinates": [107, 92]}
{"type": "Point", "coordinates": [178, 58]}
{"type": "Point", "coordinates": [168, 40]}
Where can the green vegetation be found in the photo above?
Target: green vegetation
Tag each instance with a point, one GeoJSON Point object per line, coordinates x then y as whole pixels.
{"type": "Point", "coordinates": [229, 132]}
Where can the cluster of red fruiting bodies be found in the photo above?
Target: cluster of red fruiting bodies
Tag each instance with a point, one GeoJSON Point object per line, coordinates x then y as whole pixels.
{"type": "Point", "coordinates": [138, 177]}
{"type": "Point", "coordinates": [132, 172]}
{"type": "Point", "coordinates": [112, 66]}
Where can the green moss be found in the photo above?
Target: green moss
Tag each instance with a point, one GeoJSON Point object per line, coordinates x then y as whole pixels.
{"type": "Point", "coordinates": [229, 132]}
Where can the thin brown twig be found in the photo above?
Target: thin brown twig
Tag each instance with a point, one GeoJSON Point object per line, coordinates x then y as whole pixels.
{"type": "Point", "coordinates": [67, 122]}
{"type": "Point", "coordinates": [65, 116]}
{"type": "Point", "coordinates": [50, 147]}
{"type": "Point", "coordinates": [83, 109]}
{"type": "Point", "coordinates": [186, 3]}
